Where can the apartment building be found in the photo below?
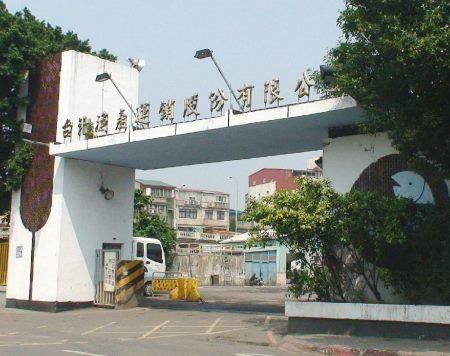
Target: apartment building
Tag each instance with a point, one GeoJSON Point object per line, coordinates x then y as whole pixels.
{"type": "Point", "coordinates": [202, 210]}
{"type": "Point", "coordinates": [163, 198]}
{"type": "Point", "coordinates": [197, 215]}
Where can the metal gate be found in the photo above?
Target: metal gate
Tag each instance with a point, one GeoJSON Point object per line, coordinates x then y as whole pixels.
{"type": "Point", "coordinates": [262, 264]}
{"type": "Point", "coordinates": [3, 262]}
{"type": "Point", "coordinates": [105, 277]}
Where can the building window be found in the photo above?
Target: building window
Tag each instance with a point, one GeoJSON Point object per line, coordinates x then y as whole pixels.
{"type": "Point", "coordinates": [192, 201]}
{"type": "Point", "coordinates": [187, 213]}
{"type": "Point", "coordinates": [220, 215]}
{"type": "Point", "coordinates": [208, 214]}
{"type": "Point", "coordinates": [160, 209]}
{"type": "Point", "coordinates": [221, 199]}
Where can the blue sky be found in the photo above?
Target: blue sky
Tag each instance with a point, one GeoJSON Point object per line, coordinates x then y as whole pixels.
{"type": "Point", "coordinates": [253, 41]}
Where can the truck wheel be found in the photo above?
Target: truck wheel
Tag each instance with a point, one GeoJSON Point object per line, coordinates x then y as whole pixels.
{"type": "Point", "coordinates": [148, 289]}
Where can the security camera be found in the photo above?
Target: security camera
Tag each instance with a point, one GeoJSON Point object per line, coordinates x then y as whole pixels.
{"type": "Point", "coordinates": [137, 63]}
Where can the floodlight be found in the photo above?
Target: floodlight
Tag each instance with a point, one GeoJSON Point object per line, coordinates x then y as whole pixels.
{"type": "Point", "coordinates": [107, 193]}
{"type": "Point", "coordinates": [137, 63]}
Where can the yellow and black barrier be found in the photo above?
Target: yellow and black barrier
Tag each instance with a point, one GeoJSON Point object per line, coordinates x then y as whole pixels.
{"type": "Point", "coordinates": [164, 284]}
{"type": "Point", "coordinates": [129, 283]}
{"type": "Point", "coordinates": [178, 288]}
{"type": "Point", "coordinates": [187, 289]}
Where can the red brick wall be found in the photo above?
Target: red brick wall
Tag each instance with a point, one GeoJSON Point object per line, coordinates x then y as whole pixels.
{"type": "Point", "coordinates": [37, 187]}
{"type": "Point", "coordinates": [283, 177]}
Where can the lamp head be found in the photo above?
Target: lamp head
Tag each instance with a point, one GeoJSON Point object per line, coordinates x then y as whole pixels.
{"type": "Point", "coordinates": [203, 53]}
{"type": "Point", "coordinates": [103, 77]}
{"type": "Point", "coordinates": [137, 63]}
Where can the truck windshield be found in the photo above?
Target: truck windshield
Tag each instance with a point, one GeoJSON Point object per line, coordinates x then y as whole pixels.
{"type": "Point", "coordinates": [154, 252]}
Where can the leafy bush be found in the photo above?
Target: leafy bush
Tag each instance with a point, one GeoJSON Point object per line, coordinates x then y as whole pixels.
{"type": "Point", "coordinates": [351, 245]}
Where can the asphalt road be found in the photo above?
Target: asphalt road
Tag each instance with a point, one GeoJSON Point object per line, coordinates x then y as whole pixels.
{"type": "Point", "coordinates": [233, 321]}
{"type": "Point", "coordinates": [96, 332]}
{"type": "Point", "coordinates": [230, 298]}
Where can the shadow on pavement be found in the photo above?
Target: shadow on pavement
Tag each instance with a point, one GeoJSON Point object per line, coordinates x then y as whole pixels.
{"type": "Point", "coordinates": [261, 300]}
{"type": "Point", "coordinates": [159, 303]}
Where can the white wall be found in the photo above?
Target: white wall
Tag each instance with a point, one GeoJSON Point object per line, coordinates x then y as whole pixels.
{"type": "Point", "coordinates": [80, 219]}
{"type": "Point", "coordinates": [262, 190]}
{"type": "Point", "coordinates": [345, 158]}
{"type": "Point", "coordinates": [88, 220]}
{"type": "Point", "coordinates": [80, 95]}
{"type": "Point", "coordinates": [18, 268]}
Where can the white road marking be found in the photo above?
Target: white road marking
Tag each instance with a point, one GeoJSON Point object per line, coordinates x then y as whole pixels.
{"type": "Point", "coordinates": [213, 325]}
{"type": "Point", "coordinates": [9, 334]}
{"type": "Point", "coordinates": [156, 328]}
{"type": "Point", "coordinates": [201, 326]}
{"type": "Point", "coordinates": [120, 332]}
{"type": "Point", "coordinates": [81, 353]}
{"type": "Point", "coordinates": [252, 355]}
{"type": "Point", "coordinates": [271, 338]}
{"type": "Point", "coordinates": [98, 328]}
{"type": "Point", "coordinates": [44, 343]}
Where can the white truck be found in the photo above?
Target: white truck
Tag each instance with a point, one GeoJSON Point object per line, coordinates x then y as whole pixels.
{"type": "Point", "coordinates": [151, 252]}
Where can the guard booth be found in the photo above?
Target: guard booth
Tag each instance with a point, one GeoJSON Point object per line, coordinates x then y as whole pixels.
{"type": "Point", "coordinates": [118, 283]}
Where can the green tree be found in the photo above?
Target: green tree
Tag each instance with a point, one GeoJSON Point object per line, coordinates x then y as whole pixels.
{"type": "Point", "coordinates": [304, 220]}
{"type": "Point", "coordinates": [394, 60]}
{"type": "Point", "coordinates": [153, 226]}
{"type": "Point", "coordinates": [24, 40]}
{"type": "Point", "coordinates": [347, 243]}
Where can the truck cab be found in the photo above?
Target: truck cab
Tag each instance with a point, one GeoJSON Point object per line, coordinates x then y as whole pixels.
{"type": "Point", "coordinates": [151, 252]}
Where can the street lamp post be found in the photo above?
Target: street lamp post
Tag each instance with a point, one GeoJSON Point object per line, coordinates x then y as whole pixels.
{"type": "Point", "coordinates": [106, 76]}
{"type": "Point", "coordinates": [237, 202]}
{"type": "Point", "coordinates": [205, 53]}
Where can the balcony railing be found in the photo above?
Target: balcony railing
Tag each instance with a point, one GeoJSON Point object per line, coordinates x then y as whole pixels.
{"type": "Point", "coordinates": [202, 236]}
{"type": "Point", "coordinates": [216, 204]}
{"type": "Point", "coordinates": [196, 248]}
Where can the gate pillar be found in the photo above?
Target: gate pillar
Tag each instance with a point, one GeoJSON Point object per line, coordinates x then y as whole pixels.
{"type": "Point", "coordinates": [67, 209]}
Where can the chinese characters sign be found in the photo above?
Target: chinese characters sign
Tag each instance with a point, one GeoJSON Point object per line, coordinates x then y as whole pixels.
{"type": "Point", "coordinates": [121, 122]}
{"type": "Point", "coordinates": [109, 271]}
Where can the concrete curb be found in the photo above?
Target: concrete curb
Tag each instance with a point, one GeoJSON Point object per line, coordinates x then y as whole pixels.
{"type": "Point", "coordinates": [340, 350]}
